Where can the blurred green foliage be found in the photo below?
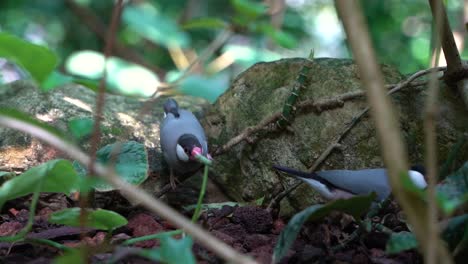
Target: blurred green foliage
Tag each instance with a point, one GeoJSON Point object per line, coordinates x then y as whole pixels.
{"type": "Point", "coordinates": [158, 39]}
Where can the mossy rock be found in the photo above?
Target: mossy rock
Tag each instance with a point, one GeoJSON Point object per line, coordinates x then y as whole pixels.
{"type": "Point", "coordinates": [245, 170]}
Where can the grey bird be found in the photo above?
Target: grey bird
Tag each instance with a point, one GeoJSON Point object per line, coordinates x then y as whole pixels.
{"type": "Point", "coordinates": [182, 138]}
{"type": "Point", "coordinates": [336, 184]}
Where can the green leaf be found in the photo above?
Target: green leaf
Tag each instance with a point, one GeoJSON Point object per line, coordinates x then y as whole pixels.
{"type": "Point", "coordinates": [6, 175]}
{"type": "Point", "coordinates": [54, 80]}
{"type": "Point", "coordinates": [454, 153]}
{"type": "Point", "coordinates": [38, 60]}
{"type": "Point", "coordinates": [88, 66]}
{"type": "Point", "coordinates": [280, 37]}
{"type": "Point", "coordinates": [177, 250]}
{"type": "Point", "coordinates": [81, 127]}
{"type": "Point", "coordinates": [209, 88]}
{"type": "Point", "coordinates": [456, 231]}
{"type": "Point", "coordinates": [248, 8]}
{"type": "Point", "coordinates": [91, 84]}
{"type": "Point", "coordinates": [131, 163]}
{"type": "Point", "coordinates": [58, 175]}
{"type": "Point", "coordinates": [205, 23]}
{"type": "Point", "coordinates": [74, 256]}
{"type": "Point", "coordinates": [453, 191]}
{"type": "Point", "coordinates": [172, 251]}
{"type": "Point", "coordinates": [354, 206]}
{"type": "Point", "coordinates": [401, 241]}
{"type": "Point", "coordinates": [156, 27]}
{"type": "Point", "coordinates": [99, 219]}
{"type": "Point", "coordinates": [247, 55]}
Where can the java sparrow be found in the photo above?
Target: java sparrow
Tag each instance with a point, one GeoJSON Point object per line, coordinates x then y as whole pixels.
{"type": "Point", "coordinates": [336, 184]}
{"type": "Point", "coordinates": [181, 138]}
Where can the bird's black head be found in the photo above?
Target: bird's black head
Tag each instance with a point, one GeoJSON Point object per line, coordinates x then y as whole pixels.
{"type": "Point", "coordinates": [419, 168]}
{"type": "Point", "coordinates": [171, 106]}
{"type": "Point", "coordinates": [185, 146]}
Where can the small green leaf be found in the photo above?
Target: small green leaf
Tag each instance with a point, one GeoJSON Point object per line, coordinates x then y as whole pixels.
{"type": "Point", "coordinates": [456, 231]}
{"type": "Point", "coordinates": [88, 65]}
{"type": "Point", "coordinates": [259, 201]}
{"type": "Point", "coordinates": [54, 80]}
{"type": "Point", "coordinates": [280, 37]}
{"type": "Point", "coordinates": [74, 256]}
{"type": "Point", "coordinates": [172, 251]}
{"type": "Point", "coordinates": [401, 241]}
{"type": "Point", "coordinates": [99, 219]}
{"type": "Point", "coordinates": [89, 83]}
{"type": "Point", "coordinates": [81, 127]}
{"type": "Point", "coordinates": [354, 206]}
{"type": "Point", "coordinates": [177, 250]}
{"type": "Point", "coordinates": [58, 175]}
{"type": "Point", "coordinates": [453, 191]}
{"type": "Point", "coordinates": [248, 8]}
{"type": "Point", "coordinates": [209, 88]}
{"type": "Point", "coordinates": [154, 26]}
{"type": "Point", "coordinates": [131, 163]}
{"type": "Point", "coordinates": [6, 175]}
{"type": "Point", "coordinates": [38, 60]}
{"type": "Point", "coordinates": [205, 23]}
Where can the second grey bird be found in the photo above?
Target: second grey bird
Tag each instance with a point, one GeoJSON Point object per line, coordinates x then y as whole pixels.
{"type": "Point", "coordinates": [335, 184]}
{"type": "Point", "coordinates": [182, 138]}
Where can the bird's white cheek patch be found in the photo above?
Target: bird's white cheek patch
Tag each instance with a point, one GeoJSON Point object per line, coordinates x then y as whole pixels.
{"type": "Point", "coordinates": [418, 179]}
{"type": "Point", "coordinates": [181, 155]}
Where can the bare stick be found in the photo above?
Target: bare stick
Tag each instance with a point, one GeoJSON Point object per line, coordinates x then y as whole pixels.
{"type": "Point", "coordinates": [388, 134]}
{"type": "Point", "coordinates": [457, 73]}
{"type": "Point", "coordinates": [318, 107]}
{"type": "Point", "coordinates": [431, 110]}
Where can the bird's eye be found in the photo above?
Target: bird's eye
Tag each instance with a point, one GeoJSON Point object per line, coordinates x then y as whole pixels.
{"type": "Point", "coordinates": [186, 150]}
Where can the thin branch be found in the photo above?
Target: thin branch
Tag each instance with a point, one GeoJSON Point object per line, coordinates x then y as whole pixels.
{"type": "Point", "coordinates": [430, 139]}
{"type": "Point", "coordinates": [110, 38]}
{"type": "Point", "coordinates": [454, 63]}
{"type": "Point", "coordinates": [388, 134]}
{"type": "Point", "coordinates": [318, 107]}
{"type": "Point", "coordinates": [131, 192]}
{"type": "Point", "coordinates": [85, 199]}
{"type": "Point", "coordinates": [457, 73]}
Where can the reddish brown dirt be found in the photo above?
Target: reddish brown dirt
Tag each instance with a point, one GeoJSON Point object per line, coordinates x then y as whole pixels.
{"type": "Point", "coordinates": [251, 230]}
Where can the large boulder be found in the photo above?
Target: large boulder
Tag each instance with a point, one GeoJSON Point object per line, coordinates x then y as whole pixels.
{"type": "Point", "coordinates": [245, 170]}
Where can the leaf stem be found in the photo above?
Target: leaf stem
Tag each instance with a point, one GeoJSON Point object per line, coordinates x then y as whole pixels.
{"type": "Point", "coordinates": [200, 197]}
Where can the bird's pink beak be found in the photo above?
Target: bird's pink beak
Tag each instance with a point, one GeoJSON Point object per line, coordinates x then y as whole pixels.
{"type": "Point", "coordinates": [196, 151]}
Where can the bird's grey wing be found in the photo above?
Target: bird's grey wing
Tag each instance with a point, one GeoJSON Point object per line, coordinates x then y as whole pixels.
{"type": "Point", "coordinates": [359, 181]}
{"type": "Point", "coordinates": [168, 136]}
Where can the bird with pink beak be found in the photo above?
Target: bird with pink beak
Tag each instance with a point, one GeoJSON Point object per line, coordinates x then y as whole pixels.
{"type": "Point", "coordinates": [183, 141]}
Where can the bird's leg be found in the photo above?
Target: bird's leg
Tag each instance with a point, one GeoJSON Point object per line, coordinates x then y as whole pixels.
{"type": "Point", "coordinates": [172, 179]}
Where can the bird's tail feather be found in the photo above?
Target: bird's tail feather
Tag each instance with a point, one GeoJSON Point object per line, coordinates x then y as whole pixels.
{"type": "Point", "coordinates": [308, 175]}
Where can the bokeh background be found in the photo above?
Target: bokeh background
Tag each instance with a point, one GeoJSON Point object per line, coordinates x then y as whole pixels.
{"type": "Point", "coordinates": [158, 40]}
